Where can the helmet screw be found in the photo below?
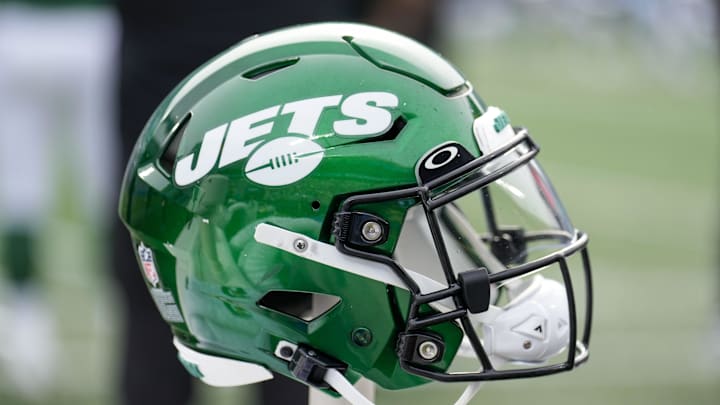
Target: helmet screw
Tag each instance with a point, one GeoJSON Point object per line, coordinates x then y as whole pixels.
{"type": "Point", "coordinates": [362, 336]}
{"type": "Point", "coordinates": [527, 345]}
{"type": "Point", "coordinates": [428, 350]}
{"type": "Point", "coordinates": [372, 231]}
{"type": "Point", "coordinates": [286, 351]}
{"type": "Point", "coordinates": [300, 245]}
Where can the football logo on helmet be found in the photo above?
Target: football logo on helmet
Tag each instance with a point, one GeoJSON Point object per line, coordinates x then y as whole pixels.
{"type": "Point", "coordinates": [284, 160]}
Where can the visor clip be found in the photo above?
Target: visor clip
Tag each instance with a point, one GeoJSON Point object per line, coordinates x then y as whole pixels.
{"type": "Point", "coordinates": [509, 245]}
{"type": "Point", "coordinates": [310, 366]}
{"type": "Point", "coordinates": [475, 286]}
{"type": "Point", "coordinates": [360, 228]}
{"type": "Point", "coordinates": [420, 347]}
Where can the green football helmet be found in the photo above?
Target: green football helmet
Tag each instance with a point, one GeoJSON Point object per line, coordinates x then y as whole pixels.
{"type": "Point", "coordinates": [331, 201]}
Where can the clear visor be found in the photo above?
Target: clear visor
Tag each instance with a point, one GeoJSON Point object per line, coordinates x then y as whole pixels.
{"type": "Point", "coordinates": [510, 222]}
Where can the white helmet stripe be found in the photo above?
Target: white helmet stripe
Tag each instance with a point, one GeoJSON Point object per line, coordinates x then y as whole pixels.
{"type": "Point", "coordinates": [328, 255]}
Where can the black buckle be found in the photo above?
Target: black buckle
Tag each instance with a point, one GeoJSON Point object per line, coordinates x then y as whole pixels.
{"type": "Point", "coordinates": [310, 366]}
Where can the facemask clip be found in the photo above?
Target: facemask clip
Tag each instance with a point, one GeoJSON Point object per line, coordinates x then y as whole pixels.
{"type": "Point", "coordinates": [420, 348]}
{"type": "Point", "coordinates": [360, 228]}
{"type": "Point", "coordinates": [475, 290]}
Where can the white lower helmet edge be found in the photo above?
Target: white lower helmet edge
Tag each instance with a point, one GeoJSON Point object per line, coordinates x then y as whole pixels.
{"type": "Point", "coordinates": [219, 371]}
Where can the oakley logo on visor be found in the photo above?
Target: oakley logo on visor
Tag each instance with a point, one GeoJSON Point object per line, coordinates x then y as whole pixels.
{"type": "Point", "coordinates": [440, 160]}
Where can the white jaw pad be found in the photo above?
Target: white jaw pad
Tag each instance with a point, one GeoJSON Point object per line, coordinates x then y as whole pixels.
{"type": "Point", "coordinates": [219, 371]}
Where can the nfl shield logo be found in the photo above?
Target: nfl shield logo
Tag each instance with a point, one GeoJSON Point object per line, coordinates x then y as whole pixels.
{"type": "Point", "coordinates": [148, 264]}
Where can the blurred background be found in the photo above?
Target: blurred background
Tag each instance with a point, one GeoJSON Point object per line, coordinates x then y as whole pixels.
{"type": "Point", "coordinates": [622, 96]}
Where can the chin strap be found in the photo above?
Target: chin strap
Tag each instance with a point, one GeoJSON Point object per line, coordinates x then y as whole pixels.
{"type": "Point", "coordinates": [339, 383]}
{"type": "Point", "coordinates": [469, 393]}
{"type": "Point", "coordinates": [319, 370]}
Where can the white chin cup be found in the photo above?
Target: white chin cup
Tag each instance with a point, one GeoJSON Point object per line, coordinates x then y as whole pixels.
{"type": "Point", "coordinates": [533, 327]}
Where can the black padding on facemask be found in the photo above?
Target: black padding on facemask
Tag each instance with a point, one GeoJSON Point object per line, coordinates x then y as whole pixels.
{"type": "Point", "coordinates": [475, 289]}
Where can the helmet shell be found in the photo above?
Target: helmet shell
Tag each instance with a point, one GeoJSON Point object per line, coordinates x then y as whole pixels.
{"type": "Point", "coordinates": [199, 220]}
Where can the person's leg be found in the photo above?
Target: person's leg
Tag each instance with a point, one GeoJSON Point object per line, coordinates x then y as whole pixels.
{"type": "Point", "coordinates": [26, 123]}
{"type": "Point", "coordinates": [93, 136]}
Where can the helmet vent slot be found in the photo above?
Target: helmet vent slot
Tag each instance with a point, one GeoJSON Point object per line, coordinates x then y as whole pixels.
{"type": "Point", "coordinates": [389, 135]}
{"type": "Point", "coordinates": [307, 306]}
{"type": "Point", "coordinates": [269, 68]}
{"type": "Point", "coordinates": [169, 155]}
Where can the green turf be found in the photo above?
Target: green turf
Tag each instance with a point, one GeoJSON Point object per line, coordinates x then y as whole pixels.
{"type": "Point", "coordinates": [632, 148]}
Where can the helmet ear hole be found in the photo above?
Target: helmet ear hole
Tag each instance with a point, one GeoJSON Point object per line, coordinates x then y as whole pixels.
{"type": "Point", "coordinates": [306, 306]}
{"type": "Point", "coordinates": [315, 205]}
